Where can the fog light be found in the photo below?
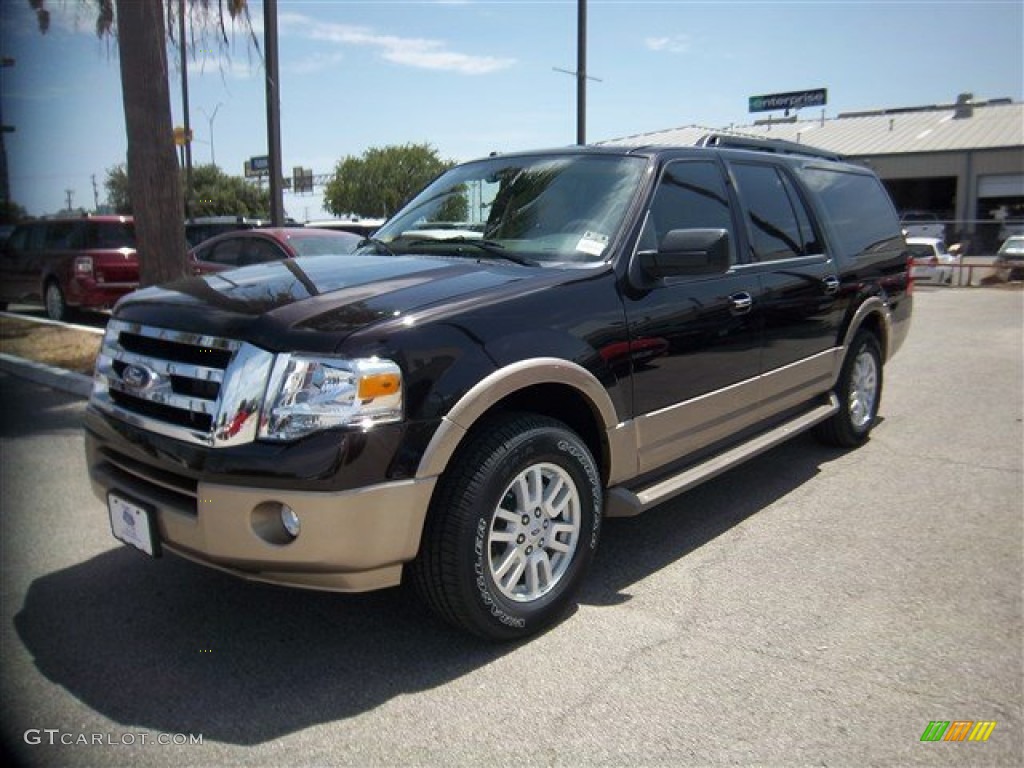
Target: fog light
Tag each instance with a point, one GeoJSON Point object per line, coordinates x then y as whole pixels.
{"type": "Point", "coordinates": [290, 521]}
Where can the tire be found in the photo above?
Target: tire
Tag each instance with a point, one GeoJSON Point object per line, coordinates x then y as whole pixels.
{"type": "Point", "coordinates": [56, 305]}
{"type": "Point", "coordinates": [512, 528]}
{"type": "Point", "coordinates": [859, 391]}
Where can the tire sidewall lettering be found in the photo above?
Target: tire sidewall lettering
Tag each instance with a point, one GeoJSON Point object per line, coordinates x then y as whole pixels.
{"type": "Point", "coordinates": [574, 460]}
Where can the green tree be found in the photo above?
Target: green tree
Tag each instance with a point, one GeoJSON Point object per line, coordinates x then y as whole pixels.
{"type": "Point", "coordinates": [376, 184]}
{"type": "Point", "coordinates": [153, 181]}
{"type": "Point", "coordinates": [11, 212]}
{"type": "Point", "coordinates": [215, 193]}
{"type": "Point", "coordinates": [119, 195]}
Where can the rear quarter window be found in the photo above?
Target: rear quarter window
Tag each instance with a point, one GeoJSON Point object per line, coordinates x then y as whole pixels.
{"type": "Point", "coordinates": [109, 235]}
{"type": "Point", "coordinates": [858, 208]}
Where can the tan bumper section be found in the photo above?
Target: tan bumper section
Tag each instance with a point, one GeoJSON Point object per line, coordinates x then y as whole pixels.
{"type": "Point", "coordinates": [349, 541]}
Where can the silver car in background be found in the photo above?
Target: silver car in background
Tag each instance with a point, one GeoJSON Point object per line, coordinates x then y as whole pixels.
{"type": "Point", "coordinates": [1010, 257]}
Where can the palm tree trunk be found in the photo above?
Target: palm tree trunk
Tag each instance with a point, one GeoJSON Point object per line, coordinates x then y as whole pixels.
{"type": "Point", "coordinates": [152, 167]}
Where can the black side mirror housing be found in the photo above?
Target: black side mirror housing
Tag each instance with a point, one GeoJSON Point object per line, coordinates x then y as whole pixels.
{"type": "Point", "coordinates": [685, 252]}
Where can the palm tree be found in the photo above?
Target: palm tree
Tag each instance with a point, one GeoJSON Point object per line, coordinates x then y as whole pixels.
{"type": "Point", "coordinates": [154, 182]}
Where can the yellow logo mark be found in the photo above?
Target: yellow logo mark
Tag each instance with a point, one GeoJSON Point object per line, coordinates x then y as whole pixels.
{"type": "Point", "coordinates": [982, 730]}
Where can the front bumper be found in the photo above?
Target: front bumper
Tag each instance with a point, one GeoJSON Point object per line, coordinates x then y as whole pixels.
{"type": "Point", "coordinates": [350, 540]}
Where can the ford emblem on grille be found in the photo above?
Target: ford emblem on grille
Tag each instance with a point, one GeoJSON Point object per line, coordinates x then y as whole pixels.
{"type": "Point", "coordinates": [139, 377]}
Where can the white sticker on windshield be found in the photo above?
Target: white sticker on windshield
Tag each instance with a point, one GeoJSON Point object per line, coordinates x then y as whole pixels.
{"type": "Point", "coordinates": [593, 243]}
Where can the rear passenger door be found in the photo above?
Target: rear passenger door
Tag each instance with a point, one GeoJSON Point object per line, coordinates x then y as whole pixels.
{"type": "Point", "coordinates": [799, 280]}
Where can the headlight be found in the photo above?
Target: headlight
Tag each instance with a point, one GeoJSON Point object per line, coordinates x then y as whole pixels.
{"type": "Point", "coordinates": [308, 394]}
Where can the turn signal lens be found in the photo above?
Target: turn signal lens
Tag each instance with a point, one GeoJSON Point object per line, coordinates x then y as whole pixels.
{"type": "Point", "coordinates": [379, 385]}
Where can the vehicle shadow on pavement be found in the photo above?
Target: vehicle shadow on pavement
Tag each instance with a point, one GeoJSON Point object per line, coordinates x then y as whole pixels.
{"type": "Point", "coordinates": [179, 648]}
{"type": "Point", "coordinates": [634, 548]}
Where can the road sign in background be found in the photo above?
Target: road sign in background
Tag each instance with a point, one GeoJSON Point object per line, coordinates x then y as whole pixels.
{"type": "Point", "coordinates": [257, 166]}
{"type": "Point", "coordinates": [302, 179]}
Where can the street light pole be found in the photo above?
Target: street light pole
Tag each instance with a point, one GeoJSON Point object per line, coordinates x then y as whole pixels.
{"type": "Point", "coordinates": [209, 119]}
{"type": "Point", "coordinates": [273, 111]}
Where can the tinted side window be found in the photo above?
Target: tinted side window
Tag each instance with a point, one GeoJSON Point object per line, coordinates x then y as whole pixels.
{"type": "Point", "coordinates": [18, 240]}
{"type": "Point", "coordinates": [110, 234]}
{"type": "Point", "coordinates": [225, 252]}
{"type": "Point", "coordinates": [690, 195]}
{"type": "Point", "coordinates": [58, 235]}
{"type": "Point", "coordinates": [256, 251]}
{"type": "Point", "coordinates": [812, 242]}
{"type": "Point", "coordinates": [857, 206]}
{"type": "Point", "coordinates": [775, 232]}
{"type": "Point", "coordinates": [36, 237]}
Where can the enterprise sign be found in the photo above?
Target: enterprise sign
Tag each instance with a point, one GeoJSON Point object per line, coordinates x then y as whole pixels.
{"type": "Point", "coordinates": [795, 100]}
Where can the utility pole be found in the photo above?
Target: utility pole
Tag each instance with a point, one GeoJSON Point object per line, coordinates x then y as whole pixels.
{"type": "Point", "coordinates": [5, 185]}
{"type": "Point", "coordinates": [95, 194]}
{"type": "Point", "coordinates": [273, 112]}
{"type": "Point", "coordinates": [581, 72]}
{"type": "Point", "coordinates": [68, 194]}
{"type": "Point", "coordinates": [184, 108]}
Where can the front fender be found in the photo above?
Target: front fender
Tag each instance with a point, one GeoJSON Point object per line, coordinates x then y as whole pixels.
{"type": "Point", "coordinates": [517, 377]}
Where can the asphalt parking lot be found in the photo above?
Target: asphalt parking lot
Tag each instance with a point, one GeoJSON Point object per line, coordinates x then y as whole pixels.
{"type": "Point", "coordinates": [811, 607]}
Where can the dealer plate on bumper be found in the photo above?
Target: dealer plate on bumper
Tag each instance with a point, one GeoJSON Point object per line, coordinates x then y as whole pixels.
{"type": "Point", "coordinates": [133, 524]}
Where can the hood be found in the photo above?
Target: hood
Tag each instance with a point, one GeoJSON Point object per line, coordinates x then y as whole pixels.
{"type": "Point", "coordinates": [311, 303]}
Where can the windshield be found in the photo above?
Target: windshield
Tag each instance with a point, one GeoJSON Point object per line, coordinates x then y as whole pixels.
{"type": "Point", "coordinates": [539, 210]}
{"type": "Point", "coordinates": [323, 246]}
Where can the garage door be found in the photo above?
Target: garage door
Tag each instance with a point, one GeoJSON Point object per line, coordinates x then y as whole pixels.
{"type": "Point", "coordinates": [1002, 185]}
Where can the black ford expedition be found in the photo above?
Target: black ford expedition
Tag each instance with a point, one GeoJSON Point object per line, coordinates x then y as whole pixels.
{"type": "Point", "coordinates": [535, 342]}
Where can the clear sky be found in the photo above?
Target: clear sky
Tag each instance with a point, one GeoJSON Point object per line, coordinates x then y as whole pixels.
{"type": "Point", "coordinates": [473, 77]}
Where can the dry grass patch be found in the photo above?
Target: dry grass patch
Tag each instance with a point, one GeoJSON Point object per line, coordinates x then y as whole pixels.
{"type": "Point", "coordinates": [51, 344]}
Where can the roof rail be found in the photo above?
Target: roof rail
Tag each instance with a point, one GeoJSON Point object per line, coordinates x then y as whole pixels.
{"type": "Point", "coordinates": [730, 141]}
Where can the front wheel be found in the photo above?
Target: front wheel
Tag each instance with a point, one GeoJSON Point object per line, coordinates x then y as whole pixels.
{"type": "Point", "coordinates": [512, 528]}
{"type": "Point", "coordinates": [859, 391]}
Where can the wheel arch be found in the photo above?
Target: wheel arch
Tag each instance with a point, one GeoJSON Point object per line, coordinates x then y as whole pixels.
{"type": "Point", "coordinates": [873, 314]}
{"type": "Point", "coordinates": [551, 387]}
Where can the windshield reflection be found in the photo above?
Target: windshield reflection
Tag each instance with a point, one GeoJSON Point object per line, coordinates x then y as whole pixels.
{"type": "Point", "coordinates": [540, 209]}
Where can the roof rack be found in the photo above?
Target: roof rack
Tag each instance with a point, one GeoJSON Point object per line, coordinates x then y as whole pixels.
{"type": "Point", "coordinates": [730, 141]}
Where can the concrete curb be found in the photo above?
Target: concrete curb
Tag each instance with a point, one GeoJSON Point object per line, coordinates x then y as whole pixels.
{"type": "Point", "coordinates": [55, 378]}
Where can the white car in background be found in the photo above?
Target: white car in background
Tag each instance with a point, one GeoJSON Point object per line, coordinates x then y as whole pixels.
{"type": "Point", "coordinates": [932, 263]}
{"type": "Point", "coordinates": [922, 224]}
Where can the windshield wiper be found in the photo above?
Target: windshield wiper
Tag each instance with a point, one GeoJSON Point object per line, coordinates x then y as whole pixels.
{"type": "Point", "coordinates": [380, 245]}
{"type": "Point", "coordinates": [491, 247]}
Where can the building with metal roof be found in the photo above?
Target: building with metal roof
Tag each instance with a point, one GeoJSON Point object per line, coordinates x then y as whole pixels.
{"type": "Point", "coordinates": [962, 161]}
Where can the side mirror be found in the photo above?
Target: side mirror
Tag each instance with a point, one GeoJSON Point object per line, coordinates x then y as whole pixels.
{"type": "Point", "coordinates": [684, 252]}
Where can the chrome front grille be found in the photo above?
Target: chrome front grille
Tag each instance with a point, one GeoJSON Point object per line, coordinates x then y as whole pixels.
{"type": "Point", "coordinates": [197, 388]}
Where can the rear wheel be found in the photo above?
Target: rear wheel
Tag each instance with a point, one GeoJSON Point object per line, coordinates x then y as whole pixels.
{"type": "Point", "coordinates": [56, 305]}
{"type": "Point", "coordinates": [512, 528]}
{"type": "Point", "coordinates": [859, 391]}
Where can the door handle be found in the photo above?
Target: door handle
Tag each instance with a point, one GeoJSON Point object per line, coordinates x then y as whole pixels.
{"type": "Point", "coordinates": [740, 303]}
{"type": "Point", "coordinates": [831, 284]}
